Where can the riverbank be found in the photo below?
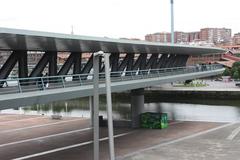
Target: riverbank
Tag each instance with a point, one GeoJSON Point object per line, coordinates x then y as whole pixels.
{"type": "Point", "coordinates": [213, 90]}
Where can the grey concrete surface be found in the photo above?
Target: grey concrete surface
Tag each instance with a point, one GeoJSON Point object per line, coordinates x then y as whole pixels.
{"type": "Point", "coordinates": [182, 140]}
{"type": "Point", "coordinates": [221, 144]}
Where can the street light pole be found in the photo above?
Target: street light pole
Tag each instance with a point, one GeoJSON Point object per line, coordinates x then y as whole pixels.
{"type": "Point", "coordinates": [172, 21]}
{"type": "Point", "coordinates": [96, 105]}
{"type": "Point", "coordinates": [109, 106]}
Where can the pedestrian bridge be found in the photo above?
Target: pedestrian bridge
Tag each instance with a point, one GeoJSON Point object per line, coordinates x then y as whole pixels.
{"type": "Point", "coordinates": [27, 91]}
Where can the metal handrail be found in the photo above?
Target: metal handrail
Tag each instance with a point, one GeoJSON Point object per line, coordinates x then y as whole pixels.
{"type": "Point", "coordinates": [19, 85]}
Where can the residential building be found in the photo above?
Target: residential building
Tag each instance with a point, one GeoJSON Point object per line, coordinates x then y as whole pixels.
{"type": "Point", "coordinates": [216, 35]}
{"type": "Point", "coordinates": [179, 37]}
{"type": "Point", "coordinates": [163, 37]}
{"type": "Point", "coordinates": [193, 36]}
{"type": "Point", "coordinates": [236, 39]}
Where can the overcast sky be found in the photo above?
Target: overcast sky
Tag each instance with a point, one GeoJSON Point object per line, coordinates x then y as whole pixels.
{"type": "Point", "coordinates": [118, 18]}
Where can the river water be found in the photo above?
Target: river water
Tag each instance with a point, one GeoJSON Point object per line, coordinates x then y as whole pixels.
{"type": "Point", "coordinates": [183, 109]}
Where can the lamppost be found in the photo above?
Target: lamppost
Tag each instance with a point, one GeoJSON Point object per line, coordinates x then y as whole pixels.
{"type": "Point", "coordinates": [172, 21]}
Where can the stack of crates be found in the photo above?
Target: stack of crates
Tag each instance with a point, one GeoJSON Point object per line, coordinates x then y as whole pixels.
{"type": "Point", "coordinates": [154, 120]}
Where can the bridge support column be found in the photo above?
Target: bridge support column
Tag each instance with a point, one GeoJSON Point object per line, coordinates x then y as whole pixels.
{"type": "Point", "coordinates": [137, 106]}
{"type": "Point", "coordinates": [91, 109]}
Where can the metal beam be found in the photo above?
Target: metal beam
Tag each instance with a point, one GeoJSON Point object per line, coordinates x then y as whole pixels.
{"type": "Point", "coordinates": [8, 65]}
{"type": "Point", "coordinates": [140, 62]}
{"type": "Point", "coordinates": [170, 61]}
{"type": "Point", "coordinates": [40, 66]}
{"type": "Point", "coordinates": [127, 62]}
{"type": "Point", "coordinates": [22, 64]}
{"type": "Point", "coordinates": [77, 63]}
{"type": "Point", "coordinates": [114, 59]}
{"type": "Point", "coordinates": [162, 61]}
{"type": "Point", "coordinates": [67, 65]}
{"type": "Point", "coordinates": [88, 66]}
{"type": "Point", "coordinates": [152, 61]}
{"type": "Point", "coordinates": [52, 68]}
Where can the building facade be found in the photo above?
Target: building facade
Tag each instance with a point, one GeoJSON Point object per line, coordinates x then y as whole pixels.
{"type": "Point", "coordinates": [216, 35]}
{"type": "Point", "coordinates": [179, 37]}
{"type": "Point", "coordinates": [206, 35]}
{"type": "Point", "coordinates": [236, 39]}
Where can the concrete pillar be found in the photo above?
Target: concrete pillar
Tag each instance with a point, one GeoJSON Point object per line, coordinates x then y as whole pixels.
{"type": "Point", "coordinates": [91, 109]}
{"type": "Point", "coordinates": [137, 106]}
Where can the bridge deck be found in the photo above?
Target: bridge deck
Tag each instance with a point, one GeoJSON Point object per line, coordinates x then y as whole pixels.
{"type": "Point", "coordinates": [49, 95]}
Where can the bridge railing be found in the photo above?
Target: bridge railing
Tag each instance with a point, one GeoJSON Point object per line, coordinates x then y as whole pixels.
{"type": "Point", "coordinates": [19, 85]}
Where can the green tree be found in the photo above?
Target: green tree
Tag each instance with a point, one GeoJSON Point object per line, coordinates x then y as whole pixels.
{"type": "Point", "coordinates": [227, 72]}
{"type": "Point", "coordinates": [235, 68]}
{"type": "Point", "coordinates": [236, 65]}
{"type": "Point", "coordinates": [236, 75]}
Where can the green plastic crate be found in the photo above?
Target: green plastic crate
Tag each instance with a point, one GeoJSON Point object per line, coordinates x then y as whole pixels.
{"type": "Point", "coordinates": [154, 120]}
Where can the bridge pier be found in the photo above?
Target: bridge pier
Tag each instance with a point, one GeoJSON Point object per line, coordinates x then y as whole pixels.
{"type": "Point", "coordinates": [137, 106]}
{"type": "Point", "coordinates": [90, 102]}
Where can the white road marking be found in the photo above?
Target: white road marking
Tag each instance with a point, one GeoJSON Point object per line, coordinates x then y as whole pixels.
{"type": "Point", "coordinates": [44, 137]}
{"type": "Point", "coordinates": [68, 147]}
{"type": "Point", "coordinates": [18, 120]}
{"type": "Point", "coordinates": [174, 141]}
{"type": "Point", "coordinates": [234, 133]}
{"type": "Point", "coordinates": [38, 126]}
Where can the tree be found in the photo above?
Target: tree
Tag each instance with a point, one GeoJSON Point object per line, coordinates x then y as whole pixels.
{"type": "Point", "coordinates": [227, 72]}
{"type": "Point", "coordinates": [236, 75]}
{"type": "Point", "coordinates": [236, 65]}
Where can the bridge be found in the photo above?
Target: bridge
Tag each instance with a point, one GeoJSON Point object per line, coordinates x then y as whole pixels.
{"type": "Point", "coordinates": [133, 65]}
{"type": "Point", "coordinates": [28, 91]}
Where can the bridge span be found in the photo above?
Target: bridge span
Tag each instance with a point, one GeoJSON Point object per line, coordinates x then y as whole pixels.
{"type": "Point", "coordinates": [28, 91]}
{"type": "Point", "coordinates": [133, 65]}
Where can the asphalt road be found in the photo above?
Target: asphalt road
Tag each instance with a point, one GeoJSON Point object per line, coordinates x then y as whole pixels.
{"type": "Point", "coordinates": [40, 138]}
{"type": "Point", "coordinates": [222, 143]}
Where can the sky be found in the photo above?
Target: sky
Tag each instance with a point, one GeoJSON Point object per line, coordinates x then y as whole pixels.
{"type": "Point", "coordinates": [118, 18]}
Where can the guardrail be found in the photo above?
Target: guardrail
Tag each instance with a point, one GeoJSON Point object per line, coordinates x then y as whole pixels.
{"type": "Point", "coordinates": [20, 85]}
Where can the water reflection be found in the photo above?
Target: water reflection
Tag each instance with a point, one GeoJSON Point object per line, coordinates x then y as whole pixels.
{"type": "Point", "coordinates": [196, 112]}
{"type": "Point", "coordinates": [177, 109]}
{"type": "Point", "coordinates": [79, 108]}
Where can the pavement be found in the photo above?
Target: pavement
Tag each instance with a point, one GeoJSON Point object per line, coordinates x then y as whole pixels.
{"type": "Point", "coordinates": [40, 138]}
{"type": "Point", "coordinates": [221, 143]}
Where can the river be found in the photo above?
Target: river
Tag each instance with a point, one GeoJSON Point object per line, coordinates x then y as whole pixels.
{"type": "Point", "coordinates": [181, 109]}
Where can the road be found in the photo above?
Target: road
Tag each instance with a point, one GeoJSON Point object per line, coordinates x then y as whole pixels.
{"type": "Point", "coordinates": [40, 138]}
{"type": "Point", "coordinates": [216, 144]}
